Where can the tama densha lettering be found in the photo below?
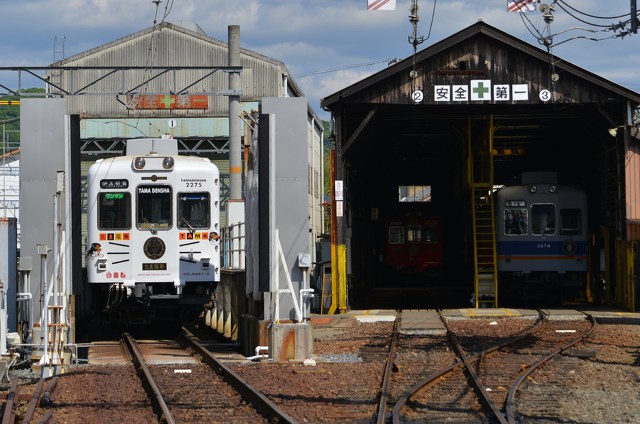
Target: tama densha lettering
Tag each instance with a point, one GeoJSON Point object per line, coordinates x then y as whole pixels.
{"type": "Point", "coordinates": [154, 190]}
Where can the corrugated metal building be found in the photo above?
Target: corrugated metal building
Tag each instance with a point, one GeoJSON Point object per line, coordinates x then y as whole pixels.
{"type": "Point", "coordinates": [118, 90]}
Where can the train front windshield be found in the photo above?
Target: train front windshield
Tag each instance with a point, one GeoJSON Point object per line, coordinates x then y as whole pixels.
{"type": "Point", "coordinates": [193, 211]}
{"type": "Point", "coordinates": [154, 207]}
{"type": "Point", "coordinates": [114, 211]}
{"type": "Point", "coordinates": [543, 219]}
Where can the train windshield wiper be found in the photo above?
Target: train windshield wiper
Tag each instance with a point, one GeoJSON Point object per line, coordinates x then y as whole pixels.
{"type": "Point", "coordinates": [187, 224]}
{"type": "Point", "coordinates": [150, 225]}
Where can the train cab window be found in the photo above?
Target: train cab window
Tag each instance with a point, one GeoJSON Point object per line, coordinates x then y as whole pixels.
{"type": "Point", "coordinates": [570, 220]}
{"type": "Point", "coordinates": [430, 234]}
{"type": "Point", "coordinates": [414, 193]}
{"type": "Point", "coordinates": [543, 219]}
{"type": "Point", "coordinates": [193, 211]}
{"type": "Point", "coordinates": [396, 234]}
{"type": "Point", "coordinates": [516, 221]}
{"type": "Point", "coordinates": [414, 233]}
{"type": "Point", "coordinates": [154, 207]}
{"type": "Point", "coordinates": [114, 211]}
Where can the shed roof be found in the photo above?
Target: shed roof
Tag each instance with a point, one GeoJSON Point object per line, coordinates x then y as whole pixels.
{"type": "Point", "coordinates": [168, 26]}
{"type": "Point", "coordinates": [189, 46]}
{"type": "Point", "coordinates": [502, 40]}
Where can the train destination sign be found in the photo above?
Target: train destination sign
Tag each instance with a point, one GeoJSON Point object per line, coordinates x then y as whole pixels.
{"type": "Point", "coordinates": [114, 183]}
{"type": "Point", "coordinates": [167, 101]}
{"type": "Point", "coordinates": [154, 190]}
{"type": "Point", "coordinates": [114, 196]}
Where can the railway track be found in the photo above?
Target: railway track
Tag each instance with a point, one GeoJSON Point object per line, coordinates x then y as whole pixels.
{"type": "Point", "coordinates": [420, 358]}
{"type": "Point", "coordinates": [470, 372]}
{"type": "Point", "coordinates": [167, 382]}
{"type": "Point", "coordinates": [479, 384]}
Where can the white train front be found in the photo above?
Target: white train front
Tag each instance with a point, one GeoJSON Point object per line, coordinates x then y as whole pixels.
{"type": "Point", "coordinates": [153, 225]}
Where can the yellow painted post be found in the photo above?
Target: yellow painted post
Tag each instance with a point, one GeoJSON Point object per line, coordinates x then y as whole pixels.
{"type": "Point", "coordinates": [335, 272]}
{"type": "Point", "coordinates": [608, 274]}
{"type": "Point", "coordinates": [634, 284]}
{"type": "Point", "coordinates": [334, 277]}
{"type": "Point", "coordinates": [629, 286]}
{"type": "Point", "coordinates": [621, 273]}
{"type": "Point", "coordinates": [342, 278]}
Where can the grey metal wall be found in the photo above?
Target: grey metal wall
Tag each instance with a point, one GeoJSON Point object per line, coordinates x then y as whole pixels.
{"type": "Point", "coordinates": [289, 212]}
{"type": "Point", "coordinates": [43, 140]}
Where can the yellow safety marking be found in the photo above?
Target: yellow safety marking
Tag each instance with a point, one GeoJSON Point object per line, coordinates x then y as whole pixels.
{"type": "Point", "coordinates": [235, 169]}
{"type": "Point", "coordinates": [471, 312]}
{"type": "Point", "coordinates": [622, 313]}
{"type": "Point", "coordinates": [506, 311]}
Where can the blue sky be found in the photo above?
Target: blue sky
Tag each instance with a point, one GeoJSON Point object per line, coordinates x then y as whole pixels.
{"type": "Point", "coordinates": [326, 44]}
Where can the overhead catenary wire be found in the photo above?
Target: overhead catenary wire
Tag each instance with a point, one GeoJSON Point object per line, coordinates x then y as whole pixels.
{"type": "Point", "coordinates": [547, 39]}
{"type": "Point", "coordinates": [154, 39]}
{"type": "Point", "coordinates": [560, 4]}
{"type": "Point", "coordinates": [342, 68]}
{"type": "Point", "coordinates": [590, 15]}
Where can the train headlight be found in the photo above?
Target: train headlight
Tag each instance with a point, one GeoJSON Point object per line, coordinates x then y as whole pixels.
{"type": "Point", "coordinates": [167, 163]}
{"type": "Point", "coordinates": [553, 189]}
{"type": "Point", "coordinates": [570, 247]}
{"type": "Point", "coordinates": [533, 188]}
{"type": "Point", "coordinates": [102, 264]}
{"type": "Point", "coordinates": [139, 163]}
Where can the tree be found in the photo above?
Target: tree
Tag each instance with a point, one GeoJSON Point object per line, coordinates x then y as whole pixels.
{"type": "Point", "coordinates": [9, 115]}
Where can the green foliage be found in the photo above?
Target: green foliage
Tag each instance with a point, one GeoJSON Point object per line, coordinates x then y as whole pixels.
{"type": "Point", "coordinates": [9, 112]}
{"type": "Point", "coordinates": [10, 128]}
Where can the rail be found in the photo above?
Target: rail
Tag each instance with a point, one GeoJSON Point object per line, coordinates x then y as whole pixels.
{"type": "Point", "coordinates": [262, 404]}
{"type": "Point", "coordinates": [233, 247]}
{"type": "Point", "coordinates": [381, 414]}
{"type": "Point", "coordinates": [464, 361]}
{"type": "Point", "coordinates": [158, 402]}
{"type": "Point", "coordinates": [510, 403]}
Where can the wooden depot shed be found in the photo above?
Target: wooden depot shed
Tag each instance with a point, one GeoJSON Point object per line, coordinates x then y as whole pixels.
{"type": "Point", "coordinates": [452, 123]}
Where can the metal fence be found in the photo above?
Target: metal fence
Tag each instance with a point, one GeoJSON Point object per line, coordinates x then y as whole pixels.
{"type": "Point", "coordinates": [233, 246]}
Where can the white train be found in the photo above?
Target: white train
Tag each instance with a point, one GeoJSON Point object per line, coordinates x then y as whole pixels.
{"type": "Point", "coordinates": [153, 221]}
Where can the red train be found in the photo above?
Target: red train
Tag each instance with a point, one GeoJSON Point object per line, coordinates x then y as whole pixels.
{"type": "Point", "coordinates": [414, 244]}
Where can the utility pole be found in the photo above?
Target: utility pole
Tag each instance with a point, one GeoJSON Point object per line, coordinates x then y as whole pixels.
{"type": "Point", "coordinates": [634, 17]}
{"type": "Point", "coordinates": [235, 149]}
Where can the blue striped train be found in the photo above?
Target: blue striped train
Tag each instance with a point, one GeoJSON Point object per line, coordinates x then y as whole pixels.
{"type": "Point", "coordinates": [542, 239]}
